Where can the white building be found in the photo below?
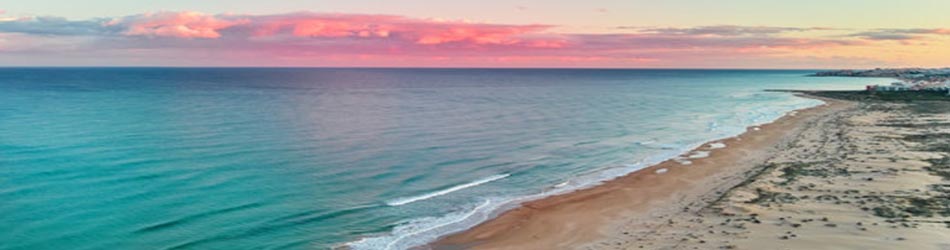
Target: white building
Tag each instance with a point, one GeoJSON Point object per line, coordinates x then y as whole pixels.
{"type": "Point", "coordinates": [895, 86]}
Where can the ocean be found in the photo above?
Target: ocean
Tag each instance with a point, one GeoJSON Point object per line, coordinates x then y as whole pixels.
{"type": "Point", "coordinates": [319, 158]}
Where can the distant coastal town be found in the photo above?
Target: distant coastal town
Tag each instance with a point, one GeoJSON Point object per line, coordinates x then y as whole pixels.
{"type": "Point", "coordinates": [910, 79]}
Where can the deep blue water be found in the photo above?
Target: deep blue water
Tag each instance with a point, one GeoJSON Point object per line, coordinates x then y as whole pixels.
{"type": "Point", "coordinates": [182, 158]}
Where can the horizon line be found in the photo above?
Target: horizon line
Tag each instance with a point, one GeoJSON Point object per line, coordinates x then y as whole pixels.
{"type": "Point", "coordinates": [424, 67]}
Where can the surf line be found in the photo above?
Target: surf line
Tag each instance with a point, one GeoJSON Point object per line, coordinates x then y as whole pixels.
{"type": "Point", "coordinates": [407, 200]}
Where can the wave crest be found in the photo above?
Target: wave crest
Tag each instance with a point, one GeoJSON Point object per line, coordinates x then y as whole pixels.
{"type": "Point", "coordinates": [411, 199]}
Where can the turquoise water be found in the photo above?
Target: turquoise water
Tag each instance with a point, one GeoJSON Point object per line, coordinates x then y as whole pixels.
{"type": "Point", "coordinates": [158, 158]}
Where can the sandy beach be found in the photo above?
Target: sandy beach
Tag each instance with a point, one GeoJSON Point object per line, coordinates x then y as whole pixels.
{"type": "Point", "coordinates": [845, 175]}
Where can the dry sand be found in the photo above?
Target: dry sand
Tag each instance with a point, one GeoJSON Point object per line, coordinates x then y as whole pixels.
{"type": "Point", "coordinates": [845, 175]}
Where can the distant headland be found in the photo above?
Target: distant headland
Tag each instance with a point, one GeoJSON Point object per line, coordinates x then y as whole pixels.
{"type": "Point", "coordinates": [910, 78]}
{"type": "Point", "coordinates": [904, 74]}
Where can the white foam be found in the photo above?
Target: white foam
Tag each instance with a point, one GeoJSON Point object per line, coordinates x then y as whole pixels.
{"type": "Point", "coordinates": [407, 200]}
{"type": "Point", "coordinates": [712, 126]}
{"type": "Point", "coordinates": [419, 231]}
{"type": "Point", "coordinates": [662, 171]}
{"type": "Point", "coordinates": [645, 142]}
{"type": "Point", "coordinates": [682, 161]}
{"type": "Point", "coordinates": [699, 154]}
{"type": "Point", "coordinates": [717, 145]}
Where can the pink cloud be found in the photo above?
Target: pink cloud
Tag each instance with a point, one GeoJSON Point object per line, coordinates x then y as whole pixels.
{"type": "Point", "coordinates": [394, 29]}
{"type": "Point", "coordinates": [418, 31]}
{"type": "Point", "coordinates": [323, 26]}
{"type": "Point", "coordinates": [305, 38]}
{"type": "Point", "coordinates": [439, 33]}
{"type": "Point", "coordinates": [174, 24]}
{"type": "Point", "coordinates": [388, 34]}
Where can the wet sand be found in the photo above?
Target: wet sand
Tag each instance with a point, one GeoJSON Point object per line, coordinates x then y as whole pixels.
{"type": "Point", "coordinates": [830, 177]}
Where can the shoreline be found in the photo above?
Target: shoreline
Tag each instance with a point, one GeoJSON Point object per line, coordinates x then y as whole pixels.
{"type": "Point", "coordinates": [539, 224]}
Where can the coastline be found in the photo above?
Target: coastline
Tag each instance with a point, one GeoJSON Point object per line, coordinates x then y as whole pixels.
{"type": "Point", "coordinates": [573, 219]}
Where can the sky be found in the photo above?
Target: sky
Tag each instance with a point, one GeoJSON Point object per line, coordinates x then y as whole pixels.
{"type": "Point", "coordinates": [803, 34]}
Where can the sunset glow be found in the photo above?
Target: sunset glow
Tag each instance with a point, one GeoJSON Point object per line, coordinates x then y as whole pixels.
{"type": "Point", "coordinates": [305, 37]}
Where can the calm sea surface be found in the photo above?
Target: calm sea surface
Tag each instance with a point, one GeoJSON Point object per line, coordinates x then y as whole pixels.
{"type": "Point", "coordinates": [158, 158]}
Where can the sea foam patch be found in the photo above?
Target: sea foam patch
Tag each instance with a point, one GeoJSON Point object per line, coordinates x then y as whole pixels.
{"type": "Point", "coordinates": [698, 154]}
{"type": "Point", "coordinates": [682, 160]}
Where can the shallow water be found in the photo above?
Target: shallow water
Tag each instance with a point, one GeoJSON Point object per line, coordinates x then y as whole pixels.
{"type": "Point", "coordinates": [153, 158]}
